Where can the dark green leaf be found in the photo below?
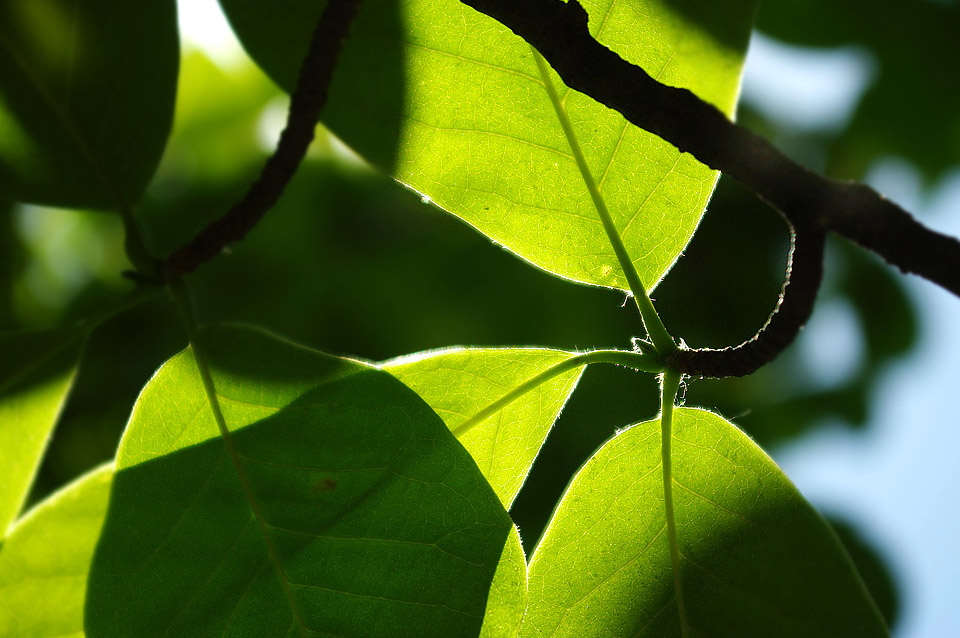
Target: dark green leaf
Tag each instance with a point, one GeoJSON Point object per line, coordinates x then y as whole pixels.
{"type": "Point", "coordinates": [86, 98]}
{"type": "Point", "coordinates": [756, 559]}
{"type": "Point", "coordinates": [45, 561]}
{"type": "Point", "coordinates": [364, 516]}
{"type": "Point", "coordinates": [371, 75]}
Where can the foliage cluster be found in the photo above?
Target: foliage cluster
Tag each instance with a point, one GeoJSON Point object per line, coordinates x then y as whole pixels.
{"type": "Point", "coordinates": [262, 487]}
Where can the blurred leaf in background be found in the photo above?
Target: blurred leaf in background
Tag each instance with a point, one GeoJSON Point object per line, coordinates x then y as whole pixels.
{"type": "Point", "coordinates": [911, 108]}
{"type": "Point", "coordinates": [223, 131]}
{"type": "Point", "coordinates": [355, 264]}
{"type": "Point", "coordinates": [69, 69]}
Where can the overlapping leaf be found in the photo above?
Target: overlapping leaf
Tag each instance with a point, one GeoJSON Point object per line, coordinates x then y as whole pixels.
{"type": "Point", "coordinates": [475, 130]}
{"type": "Point", "coordinates": [36, 372]}
{"type": "Point", "coordinates": [507, 602]}
{"type": "Point", "coordinates": [45, 560]}
{"type": "Point", "coordinates": [756, 559]}
{"type": "Point", "coordinates": [458, 384]}
{"type": "Point", "coordinates": [357, 512]}
{"type": "Point", "coordinates": [86, 98]}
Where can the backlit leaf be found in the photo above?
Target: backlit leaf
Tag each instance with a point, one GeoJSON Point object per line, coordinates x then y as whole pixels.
{"type": "Point", "coordinates": [457, 384]}
{"type": "Point", "coordinates": [36, 372]}
{"type": "Point", "coordinates": [475, 131]}
{"type": "Point", "coordinates": [375, 520]}
{"type": "Point", "coordinates": [507, 602]}
{"type": "Point", "coordinates": [756, 559]}
{"type": "Point", "coordinates": [45, 560]}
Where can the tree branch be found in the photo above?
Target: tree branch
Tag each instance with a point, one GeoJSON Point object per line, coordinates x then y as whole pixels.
{"type": "Point", "coordinates": [797, 296]}
{"type": "Point", "coordinates": [558, 30]}
{"type": "Point", "coordinates": [305, 104]}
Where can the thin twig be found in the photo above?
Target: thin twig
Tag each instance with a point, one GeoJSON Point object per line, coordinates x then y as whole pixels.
{"type": "Point", "coordinates": [306, 102]}
{"type": "Point", "coordinates": [558, 30]}
{"type": "Point", "coordinates": [812, 204]}
{"type": "Point", "coordinates": [793, 309]}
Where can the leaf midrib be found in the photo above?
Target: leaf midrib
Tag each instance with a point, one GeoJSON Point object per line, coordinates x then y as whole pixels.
{"type": "Point", "coordinates": [181, 296]}
{"type": "Point", "coordinates": [655, 328]}
{"type": "Point", "coordinates": [662, 340]}
{"type": "Point", "coordinates": [234, 454]}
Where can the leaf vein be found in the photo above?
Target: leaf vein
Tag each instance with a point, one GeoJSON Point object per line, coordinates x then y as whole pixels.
{"type": "Point", "coordinates": [385, 599]}
{"type": "Point", "coordinates": [463, 58]}
{"type": "Point", "coordinates": [365, 539]}
{"type": "Point", "coordinates": [715, 504]}
{"type": "Point", "coordinates": [453, 129]}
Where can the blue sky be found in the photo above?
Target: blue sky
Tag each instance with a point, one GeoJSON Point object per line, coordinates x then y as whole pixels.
{"type": "Point", "coordinates": [897, 480]}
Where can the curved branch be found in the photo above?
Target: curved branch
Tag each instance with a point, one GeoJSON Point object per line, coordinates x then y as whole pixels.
{"type": "Point", "coordinates": [305, 104]}
{"type": "Point", "coordinates": [558, 30]}
{"type": "Point", "coordinates": [797, 296]}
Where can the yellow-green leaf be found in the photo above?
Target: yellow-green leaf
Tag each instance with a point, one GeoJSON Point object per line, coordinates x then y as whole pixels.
{"type": "Point", "coordinates": [36, 373]}
{"type": "Point", "coordinates": [756, 559]}
{"type": "Point", "coordinates": [459, 383]}
{"type": "Point", "coordinates": [45, 559]}
{"type": "Point", "coordinates": [473, 128]}
{"type": "Point", "coordinates": [507, 601]}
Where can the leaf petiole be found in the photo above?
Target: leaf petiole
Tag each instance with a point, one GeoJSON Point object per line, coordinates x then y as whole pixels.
{"type": "Point", "coordinates": [651, 320]}
{"type": "Point", "coordinates": [181, 296]}
{"type": "Point", "coordinates": [635, 360]}
{"type": "Point", "coordinates": [669, 387]}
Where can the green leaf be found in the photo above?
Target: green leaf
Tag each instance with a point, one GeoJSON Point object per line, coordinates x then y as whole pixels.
{"type": "Point", "coordinates": [36, 373]}
{"type": "Point", "coordinates": [355, 502]}
{"type": "Point", "coordinates": [45, 559]}
{"type": "Point", "coordinates": [458, 384]}
{"type": "Point", "coordinates": [370, 74]}
{"type": "Point", "coordinates": [507, 602]}
{"type": "Point", "coordinates": [756, 559]}
{"type": "Point", "coordinates": [86, 98]}
{"type": "Point", "coordinates": [477, 133]}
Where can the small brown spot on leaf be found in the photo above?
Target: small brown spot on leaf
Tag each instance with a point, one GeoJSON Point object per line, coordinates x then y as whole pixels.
{"type": "Point", "coordinates": [324, 485]}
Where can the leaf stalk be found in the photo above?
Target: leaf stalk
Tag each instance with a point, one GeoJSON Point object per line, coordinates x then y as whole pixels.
{"type": "Point", "coordinates": [651, 320]}
{"type": "Point", "coordinates": [181, 296]}
{"type": "Point", "coordinates": [669, 386]}
{"type": "Point", "coordinates": [635, 360]}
